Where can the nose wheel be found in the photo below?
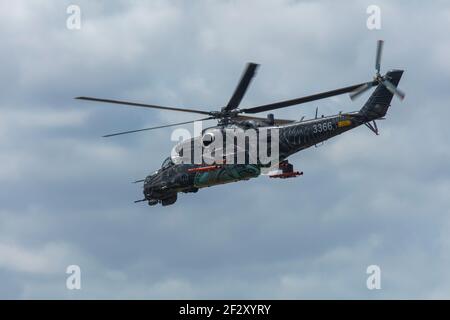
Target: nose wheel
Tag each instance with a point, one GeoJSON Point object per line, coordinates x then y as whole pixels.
{"type": "Point", "coordinates": [165, 202]}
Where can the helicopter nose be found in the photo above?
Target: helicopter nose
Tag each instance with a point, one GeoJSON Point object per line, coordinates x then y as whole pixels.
{"type": "Point", "coordinates": [148, 185]}
{"type": "Point", "coordinates": [148, 191]}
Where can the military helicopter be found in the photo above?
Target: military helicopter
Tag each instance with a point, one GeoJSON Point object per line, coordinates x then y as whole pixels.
{"type": "Point", "coordinates": [176, 175]}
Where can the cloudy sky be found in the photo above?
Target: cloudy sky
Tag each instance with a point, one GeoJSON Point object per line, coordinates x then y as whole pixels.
{"type": "Point", "coordinates": [66, 196]}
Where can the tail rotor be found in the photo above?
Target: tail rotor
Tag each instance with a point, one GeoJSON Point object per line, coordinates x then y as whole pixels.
{"type": "Point", "coordinates": [378, 78]}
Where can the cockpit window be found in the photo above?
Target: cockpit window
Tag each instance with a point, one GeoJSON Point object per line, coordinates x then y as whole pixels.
{"type": "Point", "coordinates": [167, 163]}
{"type": "Point", "coordinates": [207, 139]}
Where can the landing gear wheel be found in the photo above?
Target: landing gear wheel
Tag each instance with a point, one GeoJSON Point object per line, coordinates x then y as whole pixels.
{"type": "Point", "coordinates": [169, 201]}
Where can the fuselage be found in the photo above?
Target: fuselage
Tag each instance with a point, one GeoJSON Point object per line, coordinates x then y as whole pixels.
{"type": "Point", "coordinates": [163, 185]}
{"type": "Point", "coordinates": [174, 176]}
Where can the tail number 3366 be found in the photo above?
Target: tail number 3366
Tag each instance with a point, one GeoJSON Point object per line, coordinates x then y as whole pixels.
{"type": "Point", "coordinates": [323, 127]}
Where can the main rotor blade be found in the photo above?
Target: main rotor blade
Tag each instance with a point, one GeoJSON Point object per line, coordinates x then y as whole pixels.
{"type": "Point", "coordinates": [276, 121]}
{"type": "Point", "coordinates": [152, 128]}
{"type": "Point", "coordinates": [287, 103]}
{"type": "Point", "coordinates": [378, 56]}
{"type": "Point", "coordinates": [359, 91]}
{"type": "Point", "coordinates": [393, 89]}
{"type": "Point", "coordinates": [242, 86]}
{"type": "Point", "coordinates": [143, 105]}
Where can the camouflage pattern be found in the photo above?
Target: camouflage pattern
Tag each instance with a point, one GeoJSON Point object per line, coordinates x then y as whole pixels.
{"type": "Point", "coordinates": [163, 186]}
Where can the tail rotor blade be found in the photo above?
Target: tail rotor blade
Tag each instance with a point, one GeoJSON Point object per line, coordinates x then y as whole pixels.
{"type": "Point", "coordinates": [393, 89]}
{"type": "Point", "coordinates": [360, 90]}
{"type": "Point", "coordinates": [378, 56]}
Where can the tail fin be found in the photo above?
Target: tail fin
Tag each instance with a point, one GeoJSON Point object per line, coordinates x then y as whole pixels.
{"type": "Point", "coordinates": [380, 100]}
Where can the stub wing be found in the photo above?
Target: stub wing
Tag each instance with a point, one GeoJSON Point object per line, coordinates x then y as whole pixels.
{"type": "Point", "coordinates": [283, 170]}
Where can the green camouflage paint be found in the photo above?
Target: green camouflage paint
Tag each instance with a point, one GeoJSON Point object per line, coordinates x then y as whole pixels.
{"type": "Point", "coordinates": [227, 173]}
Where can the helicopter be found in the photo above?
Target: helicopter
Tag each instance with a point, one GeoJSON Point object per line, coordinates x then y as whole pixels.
{"type": "Point", "coordinates": [177, 175]}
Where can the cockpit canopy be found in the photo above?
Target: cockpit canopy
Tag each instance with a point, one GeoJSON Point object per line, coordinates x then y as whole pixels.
{"type": "Point", "coordinates": [167, 163]}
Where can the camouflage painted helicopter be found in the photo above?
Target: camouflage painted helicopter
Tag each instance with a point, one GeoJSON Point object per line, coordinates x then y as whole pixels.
{"type": "Point", "coordinates": [176, 175]}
